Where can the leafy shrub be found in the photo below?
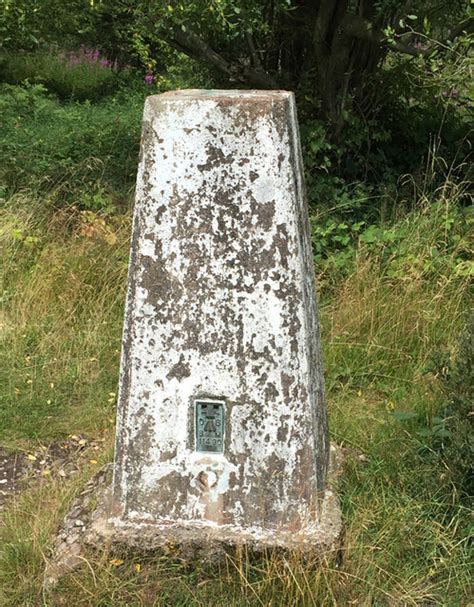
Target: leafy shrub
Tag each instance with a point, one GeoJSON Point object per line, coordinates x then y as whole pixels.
{"type": "Point", "coordinates": [430, 240]}
{"type": "Point", "coordinates": [419, 126]}
{"type": "Point", "coordinates": [83, 150]}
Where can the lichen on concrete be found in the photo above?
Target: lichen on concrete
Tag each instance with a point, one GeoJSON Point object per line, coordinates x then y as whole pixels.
{"type": "Point", "coordinates": [221, 305]}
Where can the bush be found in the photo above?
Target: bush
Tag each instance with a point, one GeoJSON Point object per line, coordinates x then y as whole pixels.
{"type": "Point", "coordinates": [431, 240]}
{"type": "Point", "coordinates": [419, 126]}
{"type": "Point", "coordinates": [83, 150]}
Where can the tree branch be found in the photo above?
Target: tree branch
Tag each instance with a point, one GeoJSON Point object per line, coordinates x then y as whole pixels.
{"type": "Point", "coordinates": [358, 27]}
{"type": "Point", "coordinates": [192, 45]}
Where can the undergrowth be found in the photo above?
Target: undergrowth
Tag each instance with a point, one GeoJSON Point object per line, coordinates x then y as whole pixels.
{"type": "Point", "coordinates": [82, 75]}
{"type": "Point", "coordinates": [83, 154]}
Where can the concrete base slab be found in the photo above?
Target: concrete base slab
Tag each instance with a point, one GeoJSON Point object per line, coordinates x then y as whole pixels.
{"type": "Point", "coordinates": [89, 524]}
{"type": "Point", "coordinates": [321, 535]}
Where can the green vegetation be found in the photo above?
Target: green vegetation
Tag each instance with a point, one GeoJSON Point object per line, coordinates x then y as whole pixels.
{"type": "Point", "coordinates": [384, 324]}
{"type": "Point", "coordinates": [77, 150]}
{"type": "Point", "coordinates": [388, 187]}
{"type": "Point", "coordinates": [80, 76]}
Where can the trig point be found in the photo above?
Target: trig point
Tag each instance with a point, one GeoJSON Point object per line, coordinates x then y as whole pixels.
{"type": "Point", "coordinates": [222, 433]}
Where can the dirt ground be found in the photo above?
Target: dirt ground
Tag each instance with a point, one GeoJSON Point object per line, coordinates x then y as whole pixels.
{"type": "Point", "coordinates": [59, 459]}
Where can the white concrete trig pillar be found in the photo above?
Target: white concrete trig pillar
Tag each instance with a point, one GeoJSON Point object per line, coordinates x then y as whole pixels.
{"type": "Point", "coordinates": [222, 430]}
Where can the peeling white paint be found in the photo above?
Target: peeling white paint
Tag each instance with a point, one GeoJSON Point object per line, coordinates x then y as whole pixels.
{"type": "Point", "coordinates": [221, 305]}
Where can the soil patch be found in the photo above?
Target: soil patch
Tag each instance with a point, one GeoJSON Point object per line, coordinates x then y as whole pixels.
{"type": "Point", "coordinates": [59, 459]}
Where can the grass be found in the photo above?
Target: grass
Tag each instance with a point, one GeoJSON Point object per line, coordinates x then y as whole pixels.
{"type": "Point", "coordinates": [406, 543]}
{"type": "Point", "coordinates": [64, 288]}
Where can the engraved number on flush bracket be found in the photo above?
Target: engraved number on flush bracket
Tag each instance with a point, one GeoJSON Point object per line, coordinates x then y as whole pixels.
{"type": "Point", "coordinates": [209, 427]}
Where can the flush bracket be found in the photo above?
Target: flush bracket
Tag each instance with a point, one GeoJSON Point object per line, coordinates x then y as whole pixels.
{"type": "Point", "coordinates": [209, 425]}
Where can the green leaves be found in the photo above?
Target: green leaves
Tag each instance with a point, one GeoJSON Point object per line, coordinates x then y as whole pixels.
{"type": "Point", "coordinates": [86, 151]}
{"type": "Point", "coordinates": [424, 432]}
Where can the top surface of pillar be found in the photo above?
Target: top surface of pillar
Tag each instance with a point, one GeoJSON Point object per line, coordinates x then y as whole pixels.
{"type": "Point", "coordinates": [219, 93]}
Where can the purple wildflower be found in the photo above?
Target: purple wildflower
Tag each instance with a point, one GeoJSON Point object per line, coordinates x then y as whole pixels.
{"type": "Point", "coordinates": [149, 78]}
{"type": "Point", "coordinates": [420, 46]}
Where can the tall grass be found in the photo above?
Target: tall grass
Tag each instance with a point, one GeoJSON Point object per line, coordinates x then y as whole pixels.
{"type": "Point", "coordinates": [63, 291]}
{"type": "Point", "coordinates": [406, 540]}
{"type": "Point", "coordinates": [83, 75]}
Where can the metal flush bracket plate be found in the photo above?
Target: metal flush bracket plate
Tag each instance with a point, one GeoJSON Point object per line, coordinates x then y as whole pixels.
{"type": "Point", "coordinates": [209, 428]}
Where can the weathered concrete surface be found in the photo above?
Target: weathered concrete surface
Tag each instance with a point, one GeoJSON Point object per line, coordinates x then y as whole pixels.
{"type": "Point", "coordinates": [221, 306]}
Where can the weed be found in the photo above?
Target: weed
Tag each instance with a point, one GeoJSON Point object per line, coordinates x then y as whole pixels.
{"type": "Point", "coordinates": [86, 155]}
{"type": "Point", "coordinates": [81, 75]}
